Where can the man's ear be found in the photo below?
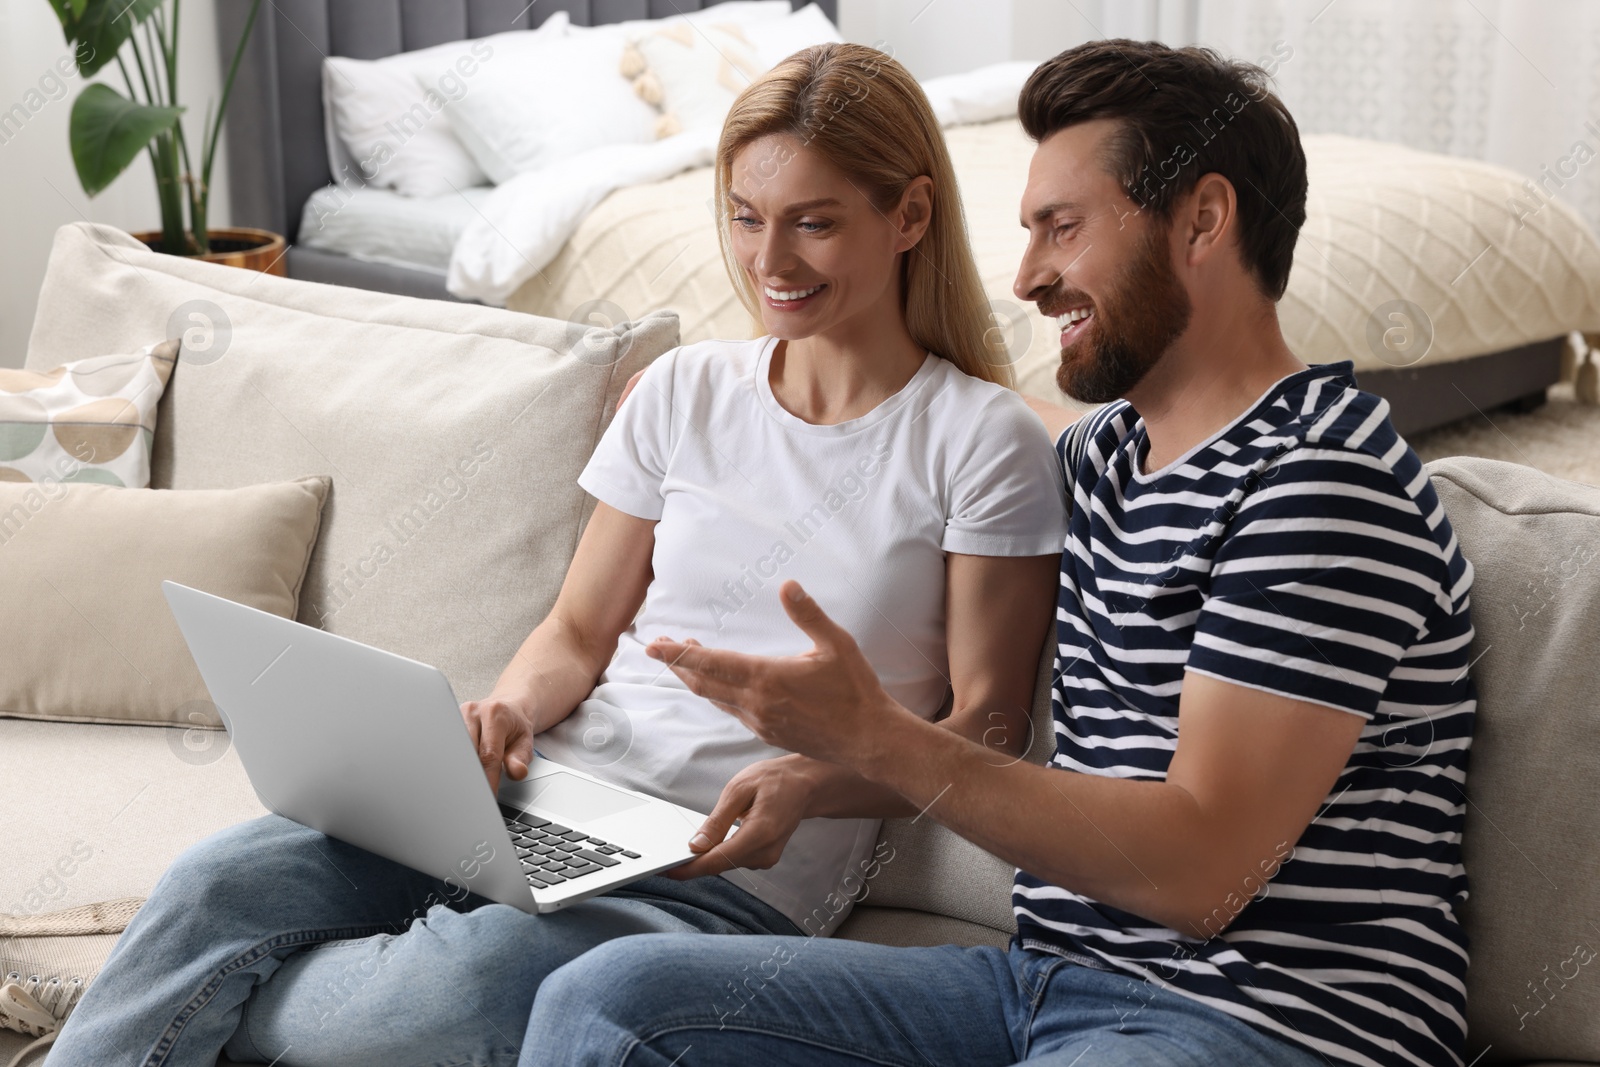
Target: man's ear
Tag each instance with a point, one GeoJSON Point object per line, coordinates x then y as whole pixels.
{"type": "Point", "coordinates": [1211, 218]}
{"type": "Point", "coordinates": [914, 214]}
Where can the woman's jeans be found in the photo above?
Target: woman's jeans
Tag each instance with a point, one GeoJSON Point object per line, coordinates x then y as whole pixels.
{"type": "Point", "coordinates": [289, 947]}
{"type": "Point", "coordinates": [665, 999]}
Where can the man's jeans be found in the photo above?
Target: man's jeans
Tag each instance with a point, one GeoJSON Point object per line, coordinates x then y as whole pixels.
{"type": "Point", "coordinates": [290, 947]}
{"type": "Point", "coordinates": [665, 999]}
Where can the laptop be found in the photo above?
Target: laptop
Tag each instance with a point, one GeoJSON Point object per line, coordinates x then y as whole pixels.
{"type": "Point", "coordinates": [370, 748]}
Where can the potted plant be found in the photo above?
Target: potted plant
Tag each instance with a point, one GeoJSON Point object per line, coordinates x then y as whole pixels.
{"type": "Point", "coordinates": [107, 129]}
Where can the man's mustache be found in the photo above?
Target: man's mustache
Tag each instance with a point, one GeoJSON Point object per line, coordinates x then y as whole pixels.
{"type": "Point", "coordinates": [1059, 302]}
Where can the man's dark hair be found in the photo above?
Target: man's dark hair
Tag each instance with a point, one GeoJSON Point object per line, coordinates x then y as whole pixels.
{"type": "Point", "coordinates": [1183, 113]}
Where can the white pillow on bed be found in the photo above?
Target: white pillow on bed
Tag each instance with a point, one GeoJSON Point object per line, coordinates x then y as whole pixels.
{"type": "Point", "coordinates": [364, 100]}
{"type": "Point", "coordinates": [550, 100]}
{"type": "Point", "coordinates": [777, 39]}
{"type": "Point", "coordinates": [740, 12]}
{"type": "Point", "coordinates": [390, 116]}
{"type": "Point", "coordinates": [388, 120]}
{"type": "Point", "coordinates": [980, 95]}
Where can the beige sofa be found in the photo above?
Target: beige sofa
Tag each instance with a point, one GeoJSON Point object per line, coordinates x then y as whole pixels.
{"type": "Point", "coordinates": [376, 392]}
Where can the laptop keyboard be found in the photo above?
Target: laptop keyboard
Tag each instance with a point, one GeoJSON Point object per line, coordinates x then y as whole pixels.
{"type": "Point", "coordinates": [552, 854]}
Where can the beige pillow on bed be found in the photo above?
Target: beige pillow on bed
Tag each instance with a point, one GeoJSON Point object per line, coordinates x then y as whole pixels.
{"type": "Point", "coordinates": [691, 73]}
{"type": "Point", "coordinates": [85, 631]}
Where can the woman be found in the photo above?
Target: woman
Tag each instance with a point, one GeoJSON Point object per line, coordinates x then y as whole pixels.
{"type": "Point", "coordinates": [865, 446]}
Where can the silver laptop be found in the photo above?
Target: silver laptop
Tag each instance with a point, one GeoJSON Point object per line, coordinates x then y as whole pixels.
{"type": "Point", "coordinates": [369, 747]}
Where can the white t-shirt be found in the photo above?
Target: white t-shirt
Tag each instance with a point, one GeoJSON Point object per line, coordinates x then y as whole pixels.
{"type": "Point", "coordinates": [861, 513]}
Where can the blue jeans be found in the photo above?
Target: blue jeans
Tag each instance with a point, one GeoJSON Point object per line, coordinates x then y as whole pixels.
{"type": "Point", "coordinates": [665, 999]}
{"type": "Point", "coordinates": [287, 946]}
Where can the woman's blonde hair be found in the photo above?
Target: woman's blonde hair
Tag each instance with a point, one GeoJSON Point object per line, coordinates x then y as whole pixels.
{"type": "Point", "coordinates": [864, 113]}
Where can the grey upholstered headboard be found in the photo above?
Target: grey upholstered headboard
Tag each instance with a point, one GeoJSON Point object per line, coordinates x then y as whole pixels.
{"type": "Point", "coordinates": [277, 156]}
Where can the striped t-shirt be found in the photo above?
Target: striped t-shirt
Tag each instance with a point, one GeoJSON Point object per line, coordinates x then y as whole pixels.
{"type": "Point", "coordinates": [1299, 550]}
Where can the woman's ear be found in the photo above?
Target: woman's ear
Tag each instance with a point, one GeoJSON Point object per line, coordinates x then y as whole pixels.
{"type": "Point", "coordinates": [914, 213]}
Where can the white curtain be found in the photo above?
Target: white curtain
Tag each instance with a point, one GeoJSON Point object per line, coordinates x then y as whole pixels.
{"type": "Point", "coordinates": [1513, 82]}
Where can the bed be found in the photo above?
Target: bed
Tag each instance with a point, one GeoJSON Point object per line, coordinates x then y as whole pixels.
{"type": "Point", "coordinates": [1369, 240]}
{"type": "Point", "coordinates": [278, 156]}
{"type": "Point", "coordinates": [1417, 267]}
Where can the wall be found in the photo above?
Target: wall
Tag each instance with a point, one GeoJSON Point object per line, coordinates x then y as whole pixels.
{"type": "Point", "coordinates": [39, 188]}
{"type": "Point", "coordinates": [934, 37]}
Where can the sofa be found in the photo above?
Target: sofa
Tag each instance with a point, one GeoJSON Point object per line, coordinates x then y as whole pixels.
{"type": "Point", "coordinates": [378, 393]}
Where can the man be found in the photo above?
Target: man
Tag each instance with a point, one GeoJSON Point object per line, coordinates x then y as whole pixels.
{"type": "Point", "coordinates": [1246, 848]}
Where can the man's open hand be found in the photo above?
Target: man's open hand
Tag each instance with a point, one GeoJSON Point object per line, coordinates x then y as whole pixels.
{"type": "Point", "coordinates": [826, 703]}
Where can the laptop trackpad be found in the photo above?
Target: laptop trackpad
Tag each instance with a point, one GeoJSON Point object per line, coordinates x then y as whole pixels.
{"type": "Point", "coordinates": [575, 799]}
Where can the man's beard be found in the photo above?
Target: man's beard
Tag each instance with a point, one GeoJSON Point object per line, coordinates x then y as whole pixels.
{"type": "Point", "coordinates": [1132, 327]}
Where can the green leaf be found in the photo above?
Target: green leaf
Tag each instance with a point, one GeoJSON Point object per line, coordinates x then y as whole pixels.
{"type": "Point", "coordinates": [107, 131]}
{"type": "Point", "coordinates": [67, 17]}
{"type": "Point", "coordinates": [104, 25]}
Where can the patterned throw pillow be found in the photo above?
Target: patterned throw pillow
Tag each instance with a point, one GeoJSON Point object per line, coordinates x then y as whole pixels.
{"type": "Point", "coordinates": [692, 73]}
{"type": "Point", "coordinates": [91, 420]}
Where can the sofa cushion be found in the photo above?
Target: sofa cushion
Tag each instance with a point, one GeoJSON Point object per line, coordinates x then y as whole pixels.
{"type": "Point", "coordinates": [116, 803]}
{"type": "Point", "coordinates": [1532, 840]}
{"type": "Point", "coordinates": [454, 433]}
{"type": "Point", "coordinates": [905, 928]}
{"type": "Point", "coordinates": [83, 621]}
{"type": "Point", "coordinates": [931, 870]}
{"type": "Point", "coordinates": [97, 813]}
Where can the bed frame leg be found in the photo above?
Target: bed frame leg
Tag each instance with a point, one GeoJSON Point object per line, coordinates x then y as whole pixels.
{"type": "Point", "coordinates": [1527, 402]}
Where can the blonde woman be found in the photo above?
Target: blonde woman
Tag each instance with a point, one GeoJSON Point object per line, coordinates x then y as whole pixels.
{"type": "Point", "coordinates": [865, 446]}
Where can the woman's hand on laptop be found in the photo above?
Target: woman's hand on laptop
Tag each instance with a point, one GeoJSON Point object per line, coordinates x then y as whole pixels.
{"type": "Point", "coordinates": [502, 732]}
{"type": "Point", "coordinates": [768, 799]}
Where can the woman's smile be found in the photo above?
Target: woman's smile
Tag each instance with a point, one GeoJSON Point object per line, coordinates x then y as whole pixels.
{"type": "Point", "coordinates": [790, 299]}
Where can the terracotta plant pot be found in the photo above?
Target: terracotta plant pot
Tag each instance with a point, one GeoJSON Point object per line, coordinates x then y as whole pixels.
{"type": "Point", "coordinates": [240, 246]}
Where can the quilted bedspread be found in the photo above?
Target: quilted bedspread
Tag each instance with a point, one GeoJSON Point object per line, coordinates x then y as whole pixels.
{"type": "Point", "coordinates": [1405, 256]}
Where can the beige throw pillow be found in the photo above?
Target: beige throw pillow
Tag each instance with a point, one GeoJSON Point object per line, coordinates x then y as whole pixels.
{"type": "Point", "coordinates": [91, 420]}
{"type": "Point", "coordinates": [85, 633]}
{"type": "Point", "coordinates": [691, 73]}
